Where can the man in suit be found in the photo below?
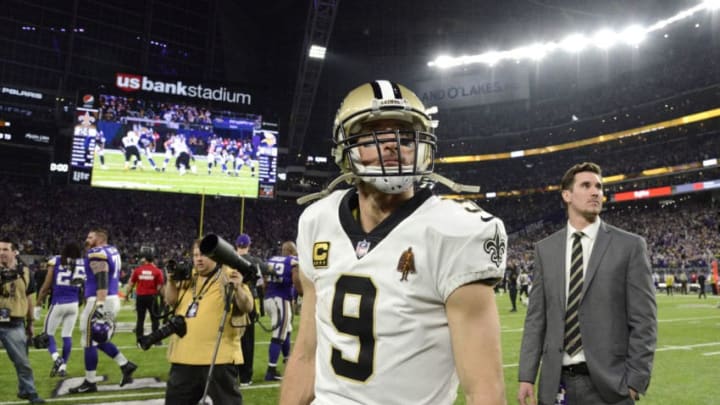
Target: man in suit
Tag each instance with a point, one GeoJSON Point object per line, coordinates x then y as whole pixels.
{"type": "Point", "coordinates": [592, 316]}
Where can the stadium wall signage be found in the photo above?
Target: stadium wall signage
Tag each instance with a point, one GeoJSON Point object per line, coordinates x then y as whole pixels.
{"type": "Point", "coordinates": [130, 82]}
{"type": "Point", "coordinates": [22, 93]}
{"type": "Point", "coordinates": [476, 88]}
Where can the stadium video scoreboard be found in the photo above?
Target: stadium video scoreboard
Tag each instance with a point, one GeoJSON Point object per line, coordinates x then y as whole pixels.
{"type": "Point", "coordinates": [170, 146]}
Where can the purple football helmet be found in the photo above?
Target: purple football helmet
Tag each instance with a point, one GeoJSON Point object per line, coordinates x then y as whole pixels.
{"type": "Point", "coordinates": [101, 330]}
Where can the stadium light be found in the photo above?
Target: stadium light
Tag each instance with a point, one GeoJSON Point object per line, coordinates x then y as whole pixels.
{"type": "Point", "coordinates": [633, 35]}
{"type": "Point", "coordinates": [443, 62]}
{"type": "Point", "coordinates": [711, 4]}
{"type": "Point", "coordinates": [491, 58]}
{"type": "Point", "coordinates": [574, 43]}
{"type": "Point", "coordinates": [710, 162]}
{"type": "Point", "coordinates": [317, 52]}
{"type": "Point", "coordinates": [604, 39]}
{"type": "Point", "coordinates": [536, 51]}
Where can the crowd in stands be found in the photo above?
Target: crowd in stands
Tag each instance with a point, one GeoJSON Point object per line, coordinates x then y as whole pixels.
{"type": "Point", "coordinates": [44, 218]}
{"type": "Point", "coordinates": [682, 233]}
{"type": "Point", "coordinates": [114, 108]}
{"type": "Point", "coordinates": [671, 147]}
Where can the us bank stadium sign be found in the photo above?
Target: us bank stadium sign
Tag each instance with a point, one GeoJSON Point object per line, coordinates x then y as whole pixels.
{"type": "Point", "coordinates": [130, 82]}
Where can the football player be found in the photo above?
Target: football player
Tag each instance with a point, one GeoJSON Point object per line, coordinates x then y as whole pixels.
{"type": "Point", "coordinates": [248, 158]}
{"type": "Point", "coordinates": [398, 303]}
{"type": "Point", "coordinates": [212, 150]}
{"type": "Point", "coordinates": [169, 153]}
{"type": "Point", "coordinates": [130, 144]}
{"type": "Point", "coordinates": [231, 156]}
{"type": "Point", "coordinates": [100, 148]}
{"type": "Point", "coordinates": [102, 264]}
{"type": "Point", "coordinates": [281, 271]}
{"type": "Point", "coordinates": [216, 154]}
{"type": "Point", "coordinates": [184, 156]}
{"type": "Point", "coordinates": [61, 271]}
{"type": "Point", "coordinates": [147, 146]}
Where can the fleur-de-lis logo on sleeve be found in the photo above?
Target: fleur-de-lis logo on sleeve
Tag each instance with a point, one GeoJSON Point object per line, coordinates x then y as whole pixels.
{"type": "Point", "coordinates": [495, 247]}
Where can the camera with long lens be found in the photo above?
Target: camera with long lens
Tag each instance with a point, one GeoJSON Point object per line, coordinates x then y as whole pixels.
{"type": "Point", "coordinates": [179, 270]}
{"type": "Point", "coordinates": [176, 324]}
{"type": "Point", "coordinates": [219, 250]}
{"type": "Point", "coordinates": [9, 275]}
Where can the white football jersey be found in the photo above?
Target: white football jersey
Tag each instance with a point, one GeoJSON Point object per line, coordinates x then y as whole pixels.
{"type": "Point", "coordinates": [131, 139]}
{"type": "Point", "coordinates": [382, 333]}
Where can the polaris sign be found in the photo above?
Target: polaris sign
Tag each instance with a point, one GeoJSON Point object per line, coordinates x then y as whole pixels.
{"type": "Point", "coordinates": [21, 93]}
{"type": "Point", "coordinates": [128, 82]}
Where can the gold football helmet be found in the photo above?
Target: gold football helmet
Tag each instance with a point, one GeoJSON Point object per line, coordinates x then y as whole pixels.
{"type": "Point", "coordinates": [384, 100]}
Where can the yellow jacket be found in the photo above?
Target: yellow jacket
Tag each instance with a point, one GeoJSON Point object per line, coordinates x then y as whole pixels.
{"type": "Point", "coordinates": [198, 345]}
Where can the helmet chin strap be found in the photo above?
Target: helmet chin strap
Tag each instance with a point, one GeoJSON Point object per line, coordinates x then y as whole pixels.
{"type": "Point", "coordinates": [320, 194]}
{"type": "Point", "coordinates": [456, 187]}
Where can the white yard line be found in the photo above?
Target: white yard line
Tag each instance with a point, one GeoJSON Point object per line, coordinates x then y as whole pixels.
{"type": "Point", "coordinates": [711, 354]}
{"type": "Point", "coordinates": [688, 347]}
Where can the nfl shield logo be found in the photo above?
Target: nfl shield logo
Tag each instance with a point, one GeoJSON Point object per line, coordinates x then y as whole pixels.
{"type": "Point", "coordinates": [362, 248]}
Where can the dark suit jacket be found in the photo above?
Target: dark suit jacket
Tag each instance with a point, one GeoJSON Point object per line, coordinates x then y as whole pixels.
{"type": "Point", "coordinates": [618, 315]}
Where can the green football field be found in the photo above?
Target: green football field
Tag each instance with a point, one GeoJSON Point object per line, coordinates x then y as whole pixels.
{"type": "Point", "coordinates": [685, 372]}
{"type": "Point", "coordinates": [199, 182]}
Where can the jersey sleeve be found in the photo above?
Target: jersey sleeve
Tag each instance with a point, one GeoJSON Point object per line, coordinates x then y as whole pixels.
{"type": "Point", "coordinates": [476, 254]}
{"type": "Point", "coordinates": [97, 255]}
{"type": "Point", "coordinates": [304, 245]}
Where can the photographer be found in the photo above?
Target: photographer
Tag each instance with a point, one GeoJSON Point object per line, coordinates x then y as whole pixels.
{"type": "Point", "coordinates": [16, 287]}
{"type": "Point", "coordinates": [201, 301]}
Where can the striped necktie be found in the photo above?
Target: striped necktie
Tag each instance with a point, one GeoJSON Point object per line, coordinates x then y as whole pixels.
{"type": "Point", "coordinates": [573, 340]}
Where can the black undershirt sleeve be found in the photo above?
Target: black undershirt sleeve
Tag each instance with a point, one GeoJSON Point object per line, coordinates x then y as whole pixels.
{"type": "Point", "coordinates": [101, 278]}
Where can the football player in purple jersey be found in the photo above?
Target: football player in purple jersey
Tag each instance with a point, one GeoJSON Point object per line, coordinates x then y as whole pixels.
{"type": "Point", "coordinates": [102, 264]}
{"type": "Point", "coordinates": [63, 305]}
{"type": "Point", "coordinates": [280, 273]}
